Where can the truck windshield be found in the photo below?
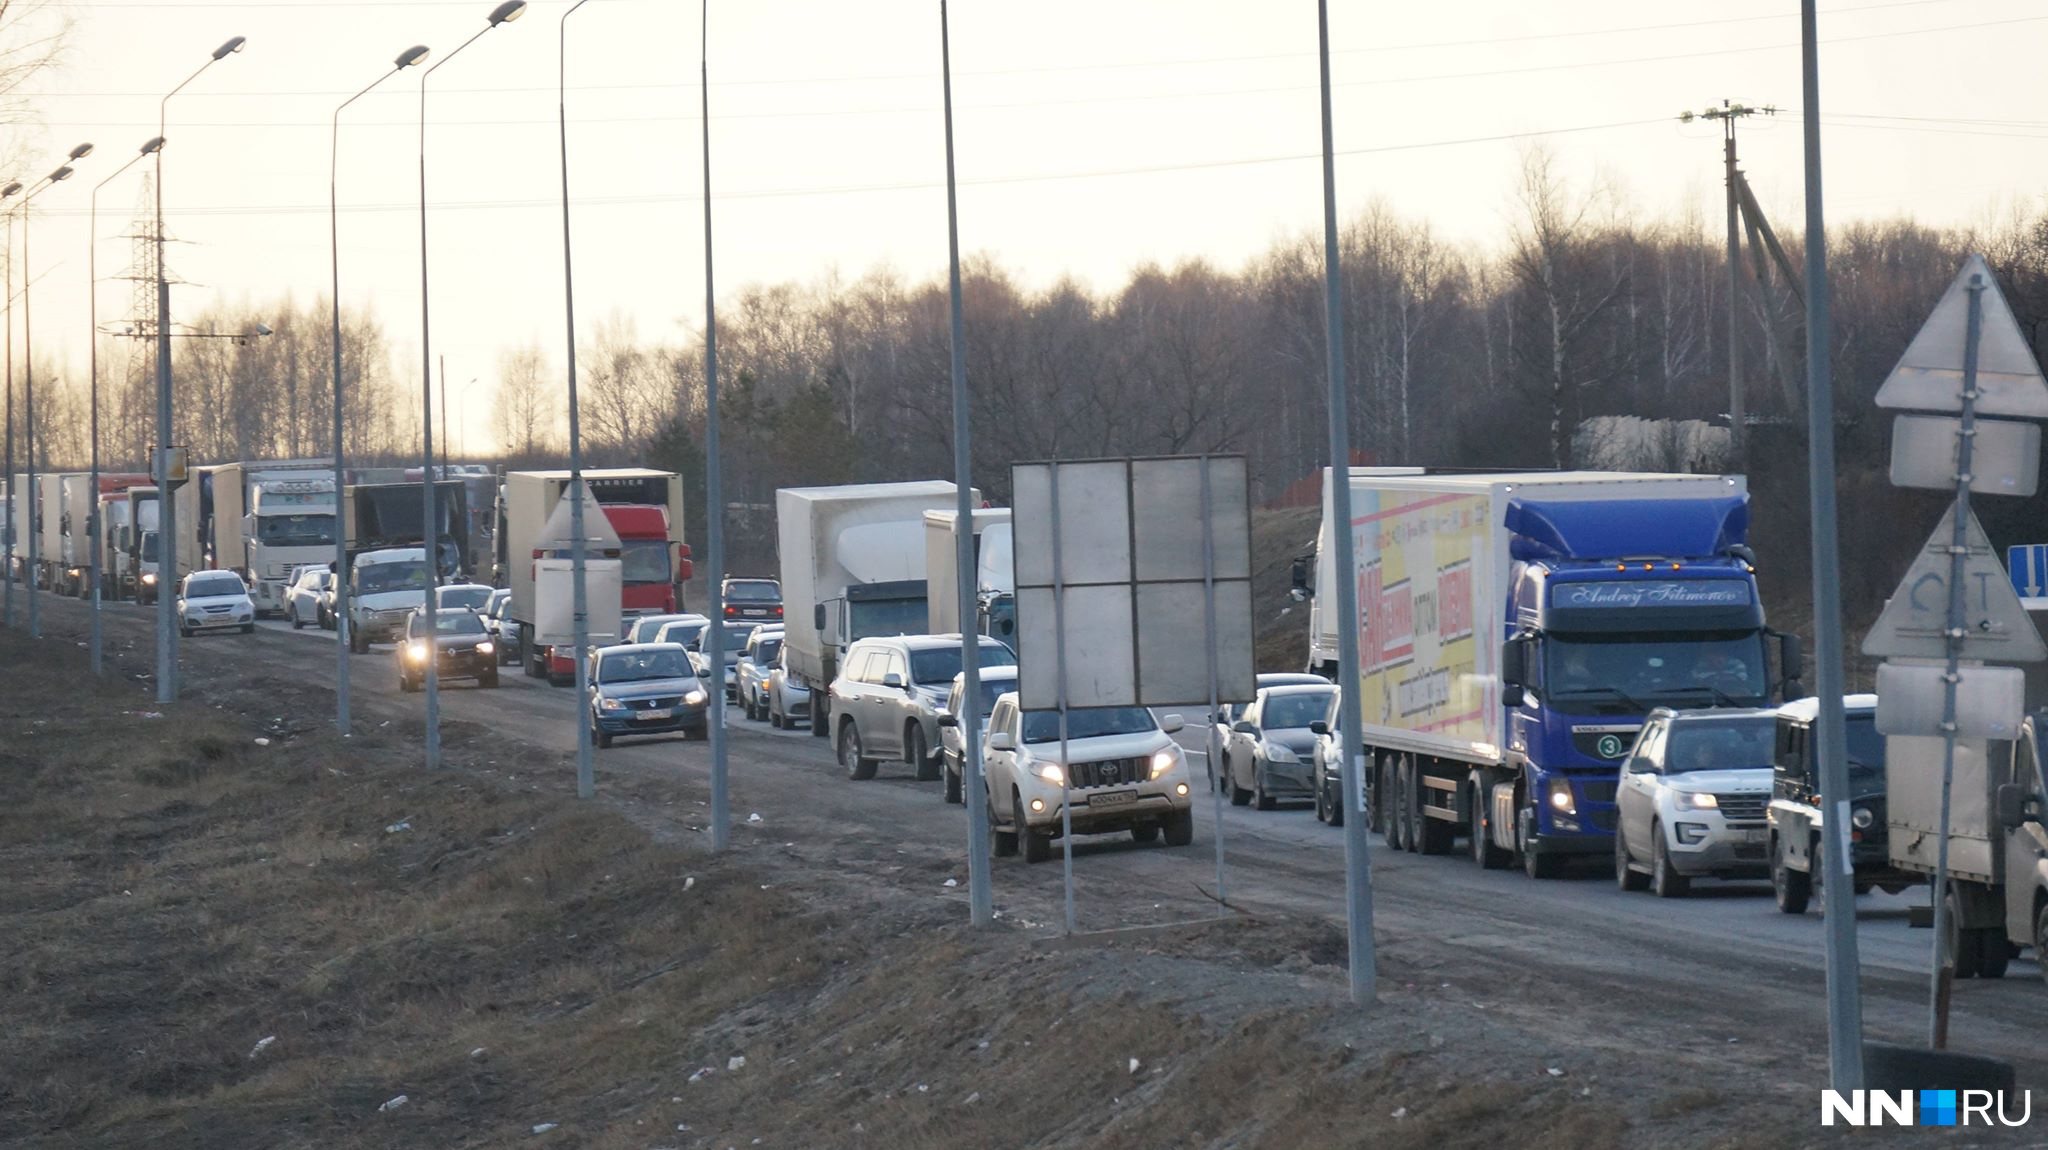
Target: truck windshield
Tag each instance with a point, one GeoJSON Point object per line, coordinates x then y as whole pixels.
{"type": "Point", "coordinates": [1721, 744]}
{"type": "Point", "coordinates": [1712, 667]}
{"type": "Point", "coordinates": [149, 547]}
{"type": "Point", "coordinates": [1087, 723]}
{"type": "Point", "coordinates": [940, 664]}
{"type": "Point", "coordinates": [295, 530]}
{"type": "Point", "coordinates": [643, 561]}
{"type": "Point", "coordinates": [382, 577]}
{"type": "Point", "coordinates": [886, 617]}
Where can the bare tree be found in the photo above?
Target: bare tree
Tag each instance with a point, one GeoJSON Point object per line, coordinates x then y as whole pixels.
{"type": "Point", "coordinates": [527, 412]}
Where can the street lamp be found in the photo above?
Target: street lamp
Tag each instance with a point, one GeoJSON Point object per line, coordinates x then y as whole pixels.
{"type": "Point", "coordinates": [92, 287]}
{"type": "Point", "coordinates": [28, 362]}
{"type": "Point", "coordinates": [14, 497]}
{"type": "Point", "coordinates": [404, 60]}
{"type": "Point", "coordinates": [167, 505]}
{"type": "Point", "coordinates": [504, 13]}
{"type": "Point", "coordinates": [586, 768]}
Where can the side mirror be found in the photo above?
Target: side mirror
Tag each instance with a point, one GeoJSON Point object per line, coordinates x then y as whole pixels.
{"type": "Point", "coordinates": [1792, 665]}
{"type": "Point", "coordinates": [2012, 807]}
{"type": "Point", "coordinates": [1001, 741]}
{"type": "Point", "coordinates": [1297, 577]}
{"type": "Point", "coordinates": [893, 681]}
{"type": "Point", "coordinates": [1244, 728]}
{"type": "Point", "coordinates": [1319, 727]}
{"type": "Point", "coordinates": [248, 525]}
{"type": "Point", "coordinates": [818, 617]}
{"type": "Point", "coordinates": [1512, 696]}
{"type": "Point", "coordinates": [949, 721]}
{"type": "Point", "coordinates": [1514, 663]}
{"type": "Point", "coordinates": [1172, 723]}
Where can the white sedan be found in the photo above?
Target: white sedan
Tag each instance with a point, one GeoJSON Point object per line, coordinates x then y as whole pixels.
{"type": "Point", "coordinates": [214, 601]}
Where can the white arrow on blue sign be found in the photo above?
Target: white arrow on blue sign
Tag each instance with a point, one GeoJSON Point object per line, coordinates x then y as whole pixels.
{"type": "Point", "coordinates": [2028, 565]}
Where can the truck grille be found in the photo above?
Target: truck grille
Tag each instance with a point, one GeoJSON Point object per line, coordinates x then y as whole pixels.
{"type": "Point", "coordinates": [1110, 773]}
{"type": "Point", "coordinates": [1743, 808]}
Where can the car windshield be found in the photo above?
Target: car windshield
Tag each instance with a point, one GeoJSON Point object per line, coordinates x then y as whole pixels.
{"type": "Point", "coordinates": [1287, 712]}
{"type": "Point", "coordinates": [753, 591]}
{"type": "Point", "coordinates": [939, 664]}
{"type": "Point", "coordinates": [766, 650]}
{"type": "Point", "coordinates": [457, 623]}
{"type": "Point", "coordinates": [472, 598]}
{"type": "Point", "coordinates": [379, 578]}
{"type": "Point", "coordinates": [206, 585]}
{"type": "Point", "coordinates": [295, 530]}
{"type": "Point", "coordinates": [636, 666]}
{"type": "Point", "coordinates": [643, 561]}
{"type": "Point", "coordinates": [1712, 667]}
{"type": "Point", "coordinates": [685, 633]}
{"type": "Point", "coordinates": [993, 689]}
{"type": "Point", "coordinates": [1729, 744]}
{"type": "Point", "coordinates": [1087, 723]}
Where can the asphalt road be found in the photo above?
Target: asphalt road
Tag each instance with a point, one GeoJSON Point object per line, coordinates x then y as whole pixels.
{"type": "Point", "coordinates": [1720, 967]}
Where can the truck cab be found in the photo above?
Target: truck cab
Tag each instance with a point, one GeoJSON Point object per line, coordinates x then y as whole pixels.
{"type": "Point", "coordinates": [385, 588]}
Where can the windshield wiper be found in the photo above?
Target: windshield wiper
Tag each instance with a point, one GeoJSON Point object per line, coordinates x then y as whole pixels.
{"type": "Point", "coordinates": [1615, 693]}
{"type": "Point", "coordinates": [1720, 696]}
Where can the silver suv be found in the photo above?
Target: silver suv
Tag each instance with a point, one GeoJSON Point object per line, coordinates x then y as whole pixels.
{"type": "Point", "coordinates": [888, 697]}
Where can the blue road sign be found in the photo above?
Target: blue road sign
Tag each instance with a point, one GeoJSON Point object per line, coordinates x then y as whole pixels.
{"type": "Point", "coordinates": [2028, 565]}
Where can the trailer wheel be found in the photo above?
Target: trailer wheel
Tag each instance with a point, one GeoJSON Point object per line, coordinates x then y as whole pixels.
{"type": "Point", "coordinates": [1434, 836]}
{"type": "Point", "coordinates": [1793, 888]}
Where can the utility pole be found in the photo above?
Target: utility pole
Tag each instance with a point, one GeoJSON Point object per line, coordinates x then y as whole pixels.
{"type": "Point", "coordinates": [444, 410]}
{"type": "Point", "coordinates": [1728, 113]}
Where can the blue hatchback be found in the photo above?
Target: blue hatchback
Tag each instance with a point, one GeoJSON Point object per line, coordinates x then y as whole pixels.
{"type": "Point", "coordinates": [644, 689]}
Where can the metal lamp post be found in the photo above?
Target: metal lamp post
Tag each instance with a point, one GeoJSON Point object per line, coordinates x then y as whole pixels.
{"type": "Point", "coordinates": [504, 13]}
{"type": "Point", "coordinates": [28, 364]}
{"type": "Point", "coordinates": [714, 494]}
{"type": "Point", "coordinates": [167, 504]}
{"type": "Point", "coordinates": [14, 497]}
{"type": "Point", "coordinates": [92, 286]}
{"type": "Point", "coordinates": [406, 59]}
{"type": "Point", "coordinates": [586, 768]}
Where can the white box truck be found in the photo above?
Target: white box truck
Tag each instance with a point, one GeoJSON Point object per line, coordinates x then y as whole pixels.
{"type": "Point", "coordinates": [995, 577]}
{"type": "Point", "coordinates": [268, 519]}
{"type": "Point", "coordinates": [1322, 612]}
{"type": "Point", "coordinates": [853, 565]}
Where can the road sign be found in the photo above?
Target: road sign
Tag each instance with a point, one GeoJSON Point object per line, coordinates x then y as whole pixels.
{"type": "Point", "coordinates": [1929, 377]}
{"type": "Point", "coordinates": [2006, 458]}
{"type": "Point", "coordinates": [1911, 700]}
{"type": "Point", "coordinates": [1995, 627]}
{"type": "Point", "coordinates": [2028, 565]}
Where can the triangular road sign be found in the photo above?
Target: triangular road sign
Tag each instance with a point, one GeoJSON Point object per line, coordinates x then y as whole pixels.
{"type": "Point", "coordinates": [557, 535]}
{"type": "Point", "coordinates": [1929, 376]}
{"type": "Point", "coordinates": [1914, 624]}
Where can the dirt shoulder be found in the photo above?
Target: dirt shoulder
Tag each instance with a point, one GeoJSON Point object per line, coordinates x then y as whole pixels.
{"type": "Point", "coordinates": [225, 927]}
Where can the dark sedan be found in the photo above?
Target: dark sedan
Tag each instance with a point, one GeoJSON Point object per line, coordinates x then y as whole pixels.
{"type": "Point", "coordinates": [465, 648]}
{"type": "Point", "coordinates": [644, 689]}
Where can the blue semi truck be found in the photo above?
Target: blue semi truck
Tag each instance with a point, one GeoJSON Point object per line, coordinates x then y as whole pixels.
{"type": "Point", "coordinates": [1516, 629]}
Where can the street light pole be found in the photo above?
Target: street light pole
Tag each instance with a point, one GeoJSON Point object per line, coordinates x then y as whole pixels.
{"type": "Point", "coordinates": [14, 496]}
{"type": "Point", "coordinates": [167, 504]}
{"type": "Point", "coordinates": [586, 768]}
{"type": "Point", "coordinates": [405, 59]}
{"type": "Point", "coordinates": [28, 366]}
{"type": "Point", "coordinates": [431, 680]}
{"type": "Point", "coordinates": [714, 494]}
{"type": "Point", "coordinates": [92, 288]}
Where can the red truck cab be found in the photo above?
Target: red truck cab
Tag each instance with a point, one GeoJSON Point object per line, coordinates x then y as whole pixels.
{"type": "Point", "coordinates": [652, 569]}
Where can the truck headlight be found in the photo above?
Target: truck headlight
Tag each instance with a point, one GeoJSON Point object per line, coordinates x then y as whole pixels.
{"type": "Point", "coordinates": [417, 652]}
{"type": "Point", "coordinates": [695, 697]}
{"type": "Point", "coordinates": [1275, 753]}
{"type": "Point", "coordinates": [1862, 818]}
{"type": "Point", "coordinates": [485, 648]}
{"type": "Point", "coordinates": [1694, 801]}
{"type": "Point", "coordinates": [149, 578]}
{"type": "Point", "coordinates": [1163, 761]}
{"type": "Point", "coordinates": [1561, 797]}
{"type": "Point", "coordinates": [1050, 772]}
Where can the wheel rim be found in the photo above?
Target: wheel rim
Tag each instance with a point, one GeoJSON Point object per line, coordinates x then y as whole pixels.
{"type": "Point", "coordinates": [849, 747]}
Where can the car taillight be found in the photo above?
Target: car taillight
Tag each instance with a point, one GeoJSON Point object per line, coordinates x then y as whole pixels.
{"type": "Point", "coordinates": [731, 610]}
{"type": "Point", "coordinates": [778, 610]}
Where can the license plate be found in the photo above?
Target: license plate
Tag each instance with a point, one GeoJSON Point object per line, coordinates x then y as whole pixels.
{"type": "Point", "coordinates": [1760, 835]}
{"type": "Point", "coordinates": [656, 713]}
{"type": "Point", "coordinates": [1113, 798]}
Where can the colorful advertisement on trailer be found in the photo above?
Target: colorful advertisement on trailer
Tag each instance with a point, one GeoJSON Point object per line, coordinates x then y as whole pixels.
{"type": "Point", "coordinates": [1428, 634]}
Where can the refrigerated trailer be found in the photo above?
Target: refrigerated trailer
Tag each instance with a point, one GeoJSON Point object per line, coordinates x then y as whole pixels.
{"type": "Point", "coordinates": [995, 579]}
{"type": "Point", "coordinates": [1516, 629]}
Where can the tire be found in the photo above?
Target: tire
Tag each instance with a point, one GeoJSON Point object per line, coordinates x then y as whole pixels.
{"type": "Point", "coordinates": [821, 718]}
{"type": "Point", "coordinates": [603, 741]}
{"type": "Point", "coordinates": [1994, 952]}
{"type": "Point", "coordinates": [1149, 832]}
{"type": "Point", "coordinates": [406, 684]}
{"type": "Point", "coordinates": [919, 754]}
{"type": "Point", "coordinates": [1238, 795]}
{"type": "Point", "coordinates": [1260, 799]}
{"type": "Point", "coordinates": [1377, 821]}
{"type": "Point", "coordinates": [298, 624]}
{"type": "Point", "coordinates": [775, 717]}
{"type": "Point", "coordinates": [2041, 939]}
{"type": "Point", "coordinates": [248, 628]}
{"type": "Point", "coordinates": [1793, 888]}
{"type": "Point", "coordinates": [1180, 828]}
{"type": "Point", "coordinates": [1665, 881]}
{"type": "Point", "coordinates": [488, 680]}
{"type": "Point", "coordinates": [1322, 803]}
{"type": "Point", "coordinates": [1036, 846]}
{"type": "Point", "coordinates": [185, 632]}
{"type": "Point", "coordinates": [953, 784]}
{"type": "Point", "coordinates": [1405, 805]}
{"type": "Point", "coordinates": [1626, 877]}
{"type": "Point", "coordinates": [1534, 864]}
{"type": "Point", "coordinates": [1001, 843]}
{"type": "Point", "coordinates": [1965, 946]}
{"type": "Point", "coordinates": [1484, 852]}
{"type": "Point", "coordinates": [858, 767]}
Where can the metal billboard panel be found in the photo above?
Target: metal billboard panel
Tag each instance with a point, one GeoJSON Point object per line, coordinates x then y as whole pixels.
{"type": "Point", "coordinates": [2004, 460]}
{"type": "Point", "coordinates": [1132, 571]}
{"type": "Point", "coordinates": [1929, 376]}
{"type": "Point", "coordinates": [1912, 699]}
{"type": "Point", "coordinates": [1914, 623]}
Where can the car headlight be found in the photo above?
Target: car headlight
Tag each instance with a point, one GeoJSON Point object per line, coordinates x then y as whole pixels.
{"type": "Point", "coordinates": [1163, 761]}
{"type": "Point", "coordinates": [606, 703]}
{"type": "Point", "coordinates": [1275, 753]}
{"type": "Point", "coordinates": [1861, 818]}
{"type": "Point", "coordinates": [417, 652]}
{"type": "Point", "coordinates": [1694, 801]}
{"type": "Point", "coordinates": [485, 648]}
{"type": "Point", "coordinates": [1561, 797]}
{"type": "Point", "coordinates": [1050, 772]}
{"type": "Point", "coordinates": [149, 577]}
{"type": "Point", "coordinates": [695, 697]}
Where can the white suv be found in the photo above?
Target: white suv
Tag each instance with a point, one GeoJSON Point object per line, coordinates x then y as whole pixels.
{"type": "Point", "coordinates": [1126, 774]}
{"type": "Point", "coordinates": [1692, 799]}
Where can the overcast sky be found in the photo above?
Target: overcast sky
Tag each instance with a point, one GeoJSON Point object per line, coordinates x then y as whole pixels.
{"type": "Point", "coordinates": [1091, 136]}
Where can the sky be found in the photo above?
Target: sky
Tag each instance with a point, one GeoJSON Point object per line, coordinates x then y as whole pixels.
{"type": "Point", "coordinates": [1090, 137]}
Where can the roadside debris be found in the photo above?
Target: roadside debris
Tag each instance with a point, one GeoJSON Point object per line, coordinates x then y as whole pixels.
{"type": "Point", "coordinates": [262, 1044]}
{"type": "Point", "coordinates": [393, 1104]}
{"type": "Point", "coordinates": [402, 825]}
